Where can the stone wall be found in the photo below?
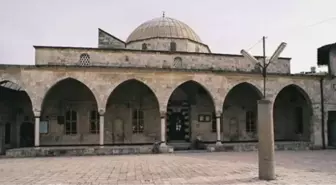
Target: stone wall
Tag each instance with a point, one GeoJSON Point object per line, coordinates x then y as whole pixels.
{"type": "Point", "coordinates": [106, 40]}
{"type": "Point", "coordinates": [329, 91]}
{"type": "Point", "coordinates": [103, 81]}
{"type": "Point", "coordinates": [163, 44]}
{"type": "Point", "coordinates": [154, 59]}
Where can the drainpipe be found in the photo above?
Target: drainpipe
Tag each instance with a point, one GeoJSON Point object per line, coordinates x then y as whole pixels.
{"type": "Point", "coordinates": [322, 113]}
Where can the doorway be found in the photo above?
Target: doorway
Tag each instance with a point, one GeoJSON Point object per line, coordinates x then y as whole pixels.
{"type": "Point", "coordinates": [331, 128]}
{"type": "Point", "coordinates": [176, 126]}
{"type": "Point", "coordinates": [178, 121]}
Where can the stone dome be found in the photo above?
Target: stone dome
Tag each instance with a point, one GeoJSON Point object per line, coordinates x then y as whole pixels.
{"type": "Point", "coordinates": [163, 27]}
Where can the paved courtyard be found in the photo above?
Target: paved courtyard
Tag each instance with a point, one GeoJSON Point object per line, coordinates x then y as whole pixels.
{"type": "Point", "coordinates": [302, 167]}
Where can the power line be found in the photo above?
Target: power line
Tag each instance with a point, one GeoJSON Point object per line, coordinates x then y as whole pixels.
{"type": "Point", "coordinates": [254, 44]}
{"type": "Point", "coordinates": [292, 31]}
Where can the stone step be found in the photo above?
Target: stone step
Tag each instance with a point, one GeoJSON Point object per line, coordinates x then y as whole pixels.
{"type": "Point", "coordinates": [180, 145]}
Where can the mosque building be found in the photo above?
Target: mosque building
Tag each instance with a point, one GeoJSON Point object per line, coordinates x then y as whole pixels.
{"type": "Point", "coordinates": [162, 83]}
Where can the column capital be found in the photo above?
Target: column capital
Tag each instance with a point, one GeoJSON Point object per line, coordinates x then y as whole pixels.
{"type": "Point", "coordinates": [37, 113]}
{"type": "Point", "coordinates": [218, 114]}
{"type": "Point", "coordinates": [163, 114]}
{"type": "Point", "coordinates": [101, 112]}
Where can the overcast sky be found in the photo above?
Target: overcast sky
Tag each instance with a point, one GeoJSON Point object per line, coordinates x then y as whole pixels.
{"type": "Point", "coordinates": [227, 26]}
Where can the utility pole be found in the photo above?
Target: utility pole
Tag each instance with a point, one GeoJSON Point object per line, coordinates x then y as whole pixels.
{"type": "Point", "coordinates": [265, 118]}
{"type": "Point", "coordinates": [264, 67]}
{"type": "Point", "coordinates": [265, 63]}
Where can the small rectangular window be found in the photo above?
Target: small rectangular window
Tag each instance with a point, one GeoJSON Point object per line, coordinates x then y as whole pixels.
{"type": "Point", "coordinates": [94, 122]}
{"type": "Point", "coordinates": [71, 122]}
{"type": "Point", "coordinates": [250, 122]}
{"type": "Point", "coordinates": [137, 121]}
{"type": "Point", "coordinates": [214, 123]}
{"type": "Point", "coordinates": [7, 133]}
{"type": "Point", "coordinates": [299, 120]}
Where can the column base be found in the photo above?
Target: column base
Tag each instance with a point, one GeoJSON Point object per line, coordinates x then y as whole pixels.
{"type": "Point", "coordinates": [164, 148]}
{"type": "Point", "coordinates": [219, 143]}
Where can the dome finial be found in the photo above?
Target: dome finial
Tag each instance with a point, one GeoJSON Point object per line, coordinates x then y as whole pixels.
{"type": "Point", "coordinates": [163, 14]}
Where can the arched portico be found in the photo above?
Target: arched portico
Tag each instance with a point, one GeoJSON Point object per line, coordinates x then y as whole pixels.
{"type": "Point", "coordinates": [69, 114]}
{"type": "Point", "coordinates": [240, 113]}
{"type": "Point", "coordinates": [190, 113]}
{"type": "Point", "coordinates": [292, 114]}
{"type": "Point", "coordinates": [16, 116]}
{"type": "Point", "coordinates": [132, 114]}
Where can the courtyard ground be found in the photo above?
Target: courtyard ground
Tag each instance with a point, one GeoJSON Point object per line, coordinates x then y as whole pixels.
{"type": "Point", "coordinates": [293, 167]}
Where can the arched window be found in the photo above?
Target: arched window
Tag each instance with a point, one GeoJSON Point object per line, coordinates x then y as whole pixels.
{"type": "Point", "coordinates": [197, 49]}
{"type": "Point", "coordinates": [94, 122]}
{"type": "Point", "coordinates": [172, 46]}
{"type": "Point", "coordinates": [84, 59]}
{"type": "Point", "coordinates": [138, 121]}
{"type": "Point", "coordinates": [71, 122]}
{"type": "Point", "coordinates": [144, 46]}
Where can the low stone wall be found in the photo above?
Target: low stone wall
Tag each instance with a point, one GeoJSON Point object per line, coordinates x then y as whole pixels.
{"type": "Point", "coordinates": [144, 149]}
{"type": "Point", "coordinates": [78, 151]}
{"type": "Point", "coordinates": [254, 146]}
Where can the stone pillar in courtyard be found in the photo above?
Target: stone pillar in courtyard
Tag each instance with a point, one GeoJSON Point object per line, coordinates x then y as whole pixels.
{"type": "Point", "coordinates": [163, 128]}
{"type": "Point", "coordinates": [101, 127]}
{"type": "Point", "coordinates": [37, 115]}
{"type": "Point", "coordinates": [265, 140]}
{"type": "Point", "coordinates": [218, 128]}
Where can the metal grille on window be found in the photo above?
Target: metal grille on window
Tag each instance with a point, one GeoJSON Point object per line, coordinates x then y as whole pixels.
{"type": "Point", "coordinates": [71, 122]}
{"type": "Point", "coordinates": [250, 122]}
{"type": "Point", "coordinates": [84, 59]}
{"type": "Point", "coordinates": [177, 62]}
{"type": "Point", "coordinates": [137, 121]}
{"type": "Point", "coordinates": [94, 122]}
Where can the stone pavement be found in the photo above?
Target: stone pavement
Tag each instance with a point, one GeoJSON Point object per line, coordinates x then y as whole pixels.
{"type": "Point", "coordinates": [293, 167]}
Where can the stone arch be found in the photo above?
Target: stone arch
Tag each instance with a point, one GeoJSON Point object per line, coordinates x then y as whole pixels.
{"type": "Point", "coordinates": [171, 90]}
{"type": "Point", "coordinates": [240, 112]}
{"type": "Point", "coordinates": [292, 114]}
{"type": "Point", "coordinates": [23, 86]}
{"type": "Point", "coordinates": [188, 104]}
{"type": "Point", "coordinates": [60, 81]}
{"type": "Point", "coordinates": [129, 80]}
{"type": "Point", "coordinates": [132, 114]}
{"type": "Point", "coordinates": [16, 110]}
{"type": "Point", "coordinates": [71, 110]}
{"type": "Point", "coordinates": [111, 87]}
{"type": "Point", "coordinates": [56, 81]}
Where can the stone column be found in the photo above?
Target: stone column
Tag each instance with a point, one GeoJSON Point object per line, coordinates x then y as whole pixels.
{"type": "Point", "coordinates": [163, 128]}
{"type": "Point", "coordinates": [265, 140]}
{"type": "Point", "coordinates": [218, 128]}
{"type": "Point", "coordinates": [101, 127]}
{"type": "Point", "coordinates": [37, 115]}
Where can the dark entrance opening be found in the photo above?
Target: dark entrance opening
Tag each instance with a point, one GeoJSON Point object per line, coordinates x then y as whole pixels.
{"type": "Point", "coordinates": [178, 121]}
{"type": "Point", "coordinates": [176, 126]}
{"type": "Point", "coordinates": [332, 128]}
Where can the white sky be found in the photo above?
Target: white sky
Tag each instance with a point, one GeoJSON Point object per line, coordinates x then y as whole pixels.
{"type": "Point", "coordinates": [227, 26]}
